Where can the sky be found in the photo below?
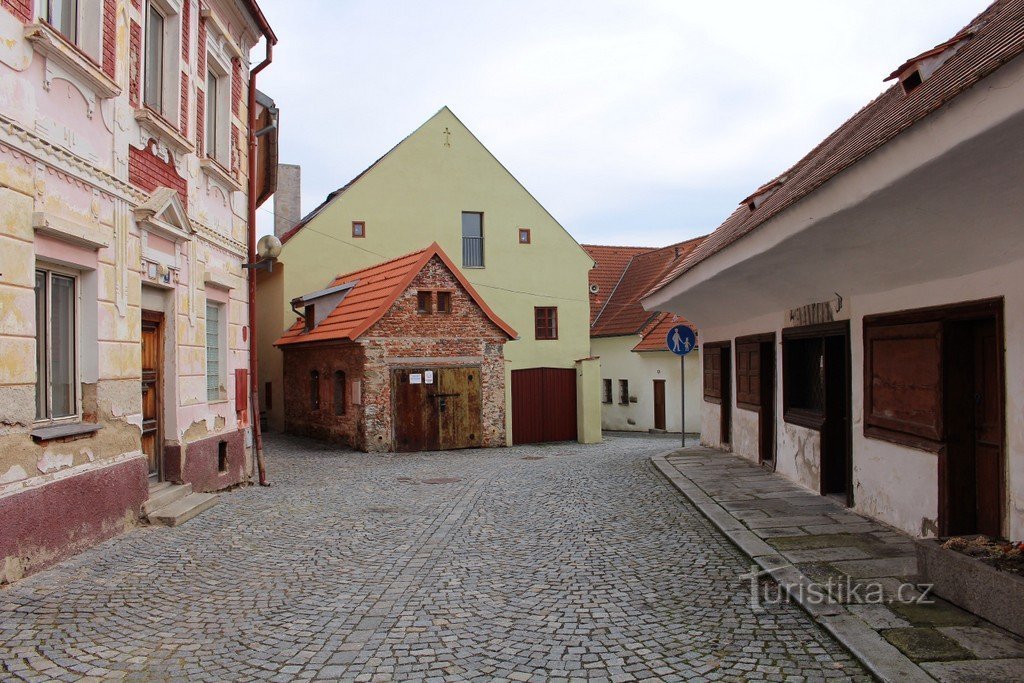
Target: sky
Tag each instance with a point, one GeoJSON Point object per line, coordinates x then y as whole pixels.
{"type": "Point", "coordinates": [639, 122]}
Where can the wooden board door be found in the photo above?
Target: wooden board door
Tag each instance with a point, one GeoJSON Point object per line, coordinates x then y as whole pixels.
{"type": "Point", "coordinates": [726, 392]}
{"type": "Point", "coordinates": [415, 413]}
{"type": "Point", "coordinates": [988, 428]}
{"type": "Point", "coordinates": [836, 470]}
{"type": "Point", "coordinates": [459, 407]}
{"type": "Point", "coordinates": [152, 386]}
{"type": "Point", "coordinates": [659, 404]}
{"type": "Point", "coordinates": [766, 414]}
{"type": "Point", "coordinates": [543, 405]}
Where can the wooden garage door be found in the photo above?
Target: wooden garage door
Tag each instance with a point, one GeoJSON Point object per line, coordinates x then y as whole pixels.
{"type": "Point", "coordinates": [543, 405]}
{"type": "Point", "coordinates": [437, 409]}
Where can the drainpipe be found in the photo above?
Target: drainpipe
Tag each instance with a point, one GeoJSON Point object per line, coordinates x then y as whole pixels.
{"type": "Point", "coordinates": [257, 436]}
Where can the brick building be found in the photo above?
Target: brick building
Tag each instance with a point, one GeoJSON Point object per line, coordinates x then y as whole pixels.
{"type": "Point", "coordinates": [401, 356]}
{"type": "Point", "coordinates": [126, 132]}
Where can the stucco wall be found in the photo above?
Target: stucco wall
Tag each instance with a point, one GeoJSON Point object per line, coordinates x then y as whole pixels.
{"type": "Point", "coordinates": [619, 361]}
{"type": "Point", "coordinates": [415, 196]}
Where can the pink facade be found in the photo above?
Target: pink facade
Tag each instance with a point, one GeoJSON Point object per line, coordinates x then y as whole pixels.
{"type": "Point", "coordinates": [123, 230]}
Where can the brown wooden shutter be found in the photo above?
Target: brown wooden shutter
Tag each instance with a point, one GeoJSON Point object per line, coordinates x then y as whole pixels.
{"type": "Point", "coordinates": [903, 379]}
{"type": "Point", "coordinates": [748, 375]}
{"type": "Point", "coordinates": [712, 356]}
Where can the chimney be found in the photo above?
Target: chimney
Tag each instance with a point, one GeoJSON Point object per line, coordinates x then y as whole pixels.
{"type": "Point", "coordinates": [287, 198]}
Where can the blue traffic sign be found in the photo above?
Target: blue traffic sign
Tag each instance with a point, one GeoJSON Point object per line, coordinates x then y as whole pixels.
{"type": "Point", "coordinates": [681, 340]}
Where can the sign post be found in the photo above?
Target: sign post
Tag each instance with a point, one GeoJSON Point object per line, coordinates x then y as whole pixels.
{"type": "Point", "coordinates": [680, 340]}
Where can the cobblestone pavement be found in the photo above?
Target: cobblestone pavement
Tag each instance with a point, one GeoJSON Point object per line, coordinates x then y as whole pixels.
{"type": "Point", "coordinates": [553, 562]}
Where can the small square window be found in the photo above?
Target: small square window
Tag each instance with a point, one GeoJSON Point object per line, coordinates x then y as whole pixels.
{"type": "Point", "coordinates": [444, 302]}
{"type": "Point", "coordinates": [423, 302]}
{"type": "Point", "coordinates": [358, 228]}
{"type": "Point", "coordinates": [524, 235]}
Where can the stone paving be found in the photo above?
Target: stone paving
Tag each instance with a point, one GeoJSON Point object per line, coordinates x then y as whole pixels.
{"type": "Point", "coordinates": [545, 563]}
{"type": "Point", "coordinates": [804, 538]}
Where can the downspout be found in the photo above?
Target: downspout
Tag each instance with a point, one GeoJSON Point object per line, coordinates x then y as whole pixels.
{"type": "Point", "coordinates": [257, 436]}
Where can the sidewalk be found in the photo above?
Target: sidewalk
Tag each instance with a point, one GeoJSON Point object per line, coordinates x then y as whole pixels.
{"type": "Point", "coordinates": [854, 575]}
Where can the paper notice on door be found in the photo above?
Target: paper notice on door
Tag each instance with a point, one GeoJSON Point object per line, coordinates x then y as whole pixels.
{"type": "Point", "coordinates": [416, 378]}
{"type": "Point", "coordinates": [428, 377]}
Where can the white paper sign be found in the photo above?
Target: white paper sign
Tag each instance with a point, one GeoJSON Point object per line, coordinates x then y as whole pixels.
{"type": "Point", "coordinates": [428, 377]}
{"type": "Point", "coordinates": [416, 378]}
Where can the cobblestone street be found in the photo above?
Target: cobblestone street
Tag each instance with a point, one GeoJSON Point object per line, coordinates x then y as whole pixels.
{"type": "Point", "coordinates": [553, 562]}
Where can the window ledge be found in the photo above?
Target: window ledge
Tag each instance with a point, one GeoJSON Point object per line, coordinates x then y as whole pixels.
{"type": "Point", "coordinates": [63, 431]}
{"type": "Point", "coordinates": [68, 231]}
{"type": "Point", "coordinates": [216, 170]}
{"type": "Point", "coordinates": [49, 42]}
{"type": "Point", "coordinates": [162, 128]}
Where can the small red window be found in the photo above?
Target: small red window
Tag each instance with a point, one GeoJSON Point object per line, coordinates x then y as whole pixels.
{"type": "Point", "coordinates": [545, 322]}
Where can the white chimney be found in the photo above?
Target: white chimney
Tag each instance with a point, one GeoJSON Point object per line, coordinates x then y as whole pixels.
{"type": "Point", "coordinates": [287, 198]}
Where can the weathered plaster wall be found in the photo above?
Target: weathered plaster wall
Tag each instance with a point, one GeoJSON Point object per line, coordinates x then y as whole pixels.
{"type": "Point", "coordinates": [619, 361]}
{"type": "Point", "coordinates": [745, 433]}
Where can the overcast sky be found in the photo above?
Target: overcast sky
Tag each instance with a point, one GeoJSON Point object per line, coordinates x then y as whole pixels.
{"type": "Point", "coordinates": [633, 122]}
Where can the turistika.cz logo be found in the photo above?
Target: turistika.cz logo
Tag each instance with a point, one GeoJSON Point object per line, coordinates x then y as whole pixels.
{"type": "Point", "coordinates": [766, 590]}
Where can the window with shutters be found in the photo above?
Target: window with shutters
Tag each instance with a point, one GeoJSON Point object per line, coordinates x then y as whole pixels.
{"type": "Point", "coordinates": [712, 356]}
{"type": "Point", "coordinates": [903, 380]}
{"type": "Point", "coordinates": [748, 375]}
{"type": "Point", "coordinates": [215, 352]}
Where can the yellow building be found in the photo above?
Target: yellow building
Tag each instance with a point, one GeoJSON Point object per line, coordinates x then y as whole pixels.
{"type": "Point", "coordinates": [440, 184]}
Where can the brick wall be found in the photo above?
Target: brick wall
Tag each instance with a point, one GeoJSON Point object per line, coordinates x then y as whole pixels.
{"type": "Point", "coordinates": [236, 85]}
{"type": "Point", "coordinates": [186, 30]}
{"type": "Point", "coordinates": [110, 38]}
{"type": "Point", "coordinates": [19, 8]}
{"type": "Point", "coordinates": [134, 62]}
{"type": "Point", "coordinates": [183, 122]}
{"type": "Point", "coordinates": [200, 123]}
{"type": "Point", "coordinates": [401, 333]}
{"type": "Point", "coordinates": [147, 171]}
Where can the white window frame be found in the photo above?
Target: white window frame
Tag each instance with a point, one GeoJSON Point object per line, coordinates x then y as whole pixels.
{"type": "Point", "coordinates": [76, 382]}
{"type": "Point", "coordinates": [222, 352]}
{"type": "Point", "coordinates": [88, 25]}
{"type": "Point", "coordinates": [170, 66]}
{"type": "Point", "coordinates": [222, 131]}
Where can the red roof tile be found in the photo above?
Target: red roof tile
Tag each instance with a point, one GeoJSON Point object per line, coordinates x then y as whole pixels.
{"type": "Point", "coordinates": [609, 265]}
{"type": "Point", "coordinates": [998, 37]}
{"type": "Point", "coordinates": [656, 331]}
{"type": "Point", "coordinates": [621, 311]}
{"type": "Point", "coordinates": [375, 290]}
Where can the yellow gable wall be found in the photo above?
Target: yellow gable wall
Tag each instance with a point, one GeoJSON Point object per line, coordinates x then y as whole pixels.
{"type": "Point", "coordinates": [415, 196]}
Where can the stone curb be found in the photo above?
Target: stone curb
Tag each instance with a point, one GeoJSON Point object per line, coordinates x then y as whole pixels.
{"type": "Point", "coordinates": [877, 655]}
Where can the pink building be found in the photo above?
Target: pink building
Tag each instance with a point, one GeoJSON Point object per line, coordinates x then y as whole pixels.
{"type": "Point", "coordinates": [126, 128]}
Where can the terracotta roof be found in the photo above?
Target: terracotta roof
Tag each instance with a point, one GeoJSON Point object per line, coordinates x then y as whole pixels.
{"type": "Point", "coordinates": [609, 265]}
{"type": "Point", "coordinates": [998, 37]}
{"type": "Point", "coordinates": [633, 271]}
{"type": "Point", "coordinates": [656, 331]}
{"type": "Point", "coordinates": [374, 291]}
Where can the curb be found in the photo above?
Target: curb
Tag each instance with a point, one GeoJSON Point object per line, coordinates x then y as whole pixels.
{"type": "Point", "coordinates": [878, 656]}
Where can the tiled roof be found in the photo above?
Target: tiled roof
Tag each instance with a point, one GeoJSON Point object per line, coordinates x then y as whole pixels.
{"type": "Point", "coordinates": [997, 36]}
{"type": "Point", "coordinates": [609, 265]}
{"type": "Point", "coordinates": [375, 290]}
{"type": "Point", "coordinates": [656, 331]}
{"type": "Point", "coordinates": [621, 311]}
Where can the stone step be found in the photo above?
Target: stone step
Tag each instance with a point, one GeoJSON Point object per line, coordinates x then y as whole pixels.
{"type": "Point", "coordinates": [181, 511]}
{"type": "Point", "coordinates": [163, 494]}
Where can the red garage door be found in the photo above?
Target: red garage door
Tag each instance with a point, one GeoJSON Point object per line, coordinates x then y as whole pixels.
{"type": "Point", "coordinates": [543, 405]}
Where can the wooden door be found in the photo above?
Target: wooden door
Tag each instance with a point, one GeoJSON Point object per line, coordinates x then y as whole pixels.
{"type": "Point", "coordinates": [659, 404]}
{"type": "Point", "coordinates": [152, 387]}
{"type": "Point", "coordinates": [414, 412]}
{"type": "Point", "coordinates": [988, 428]}
{"type": "Point", "coordinates": [766, 413]}
{"type": "Point", "coordinates": [835, 428]}
{"type": "Point", "coordinates": [725, 377]}
{"type": "Point", "coordinates": [543, 405]}
{"type": "Point", "coordinates": [459, 407]}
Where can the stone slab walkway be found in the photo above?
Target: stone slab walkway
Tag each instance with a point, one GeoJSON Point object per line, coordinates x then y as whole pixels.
{"type": "Point", "coordinates": [854, 575]}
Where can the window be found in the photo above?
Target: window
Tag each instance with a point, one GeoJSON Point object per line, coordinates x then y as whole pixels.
{"type": "Point", "coordinates": [358, 228]}
{"type": "Point", "coordinates": [524, 235]}
{"type": "Point", "coordinates": [712, 357]}
{"type": "Point", "coordinates": [339, 392]}
{"type": "Point", "coordinates": [154, 78]}
{"type": "Point", "coordinates": [423, 302]}
{"type": "Point", "coordinates": [803, 376]}
{"type": "Point", "coordinates": [444, 302]}
{"type": "Point", "coordinates": [624, 392]}
{"type": "Point", "coordinates": [215, 353]}
{"type": "Point", "coordinates": [545, 322]}
{"type": "Point", "coordinates": [472, 239]}
{"type": "Point", "coordinates": [213, 114]}
{"type": "Point", "coordinates": [56, 342]}
{"type": "Point", "coordinates": [309, 317]}
{"type": "Point", "coordinates": [63, 16]}
{"type": "Point", "coordinates": [314, 390]}
{"type": "Point", "coordinates": [903, 379]}
{"type": "Point", "coordinates": [606, 393]}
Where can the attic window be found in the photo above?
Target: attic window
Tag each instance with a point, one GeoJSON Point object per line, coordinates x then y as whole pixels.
{"type": "Point", "coordinates": [309, 317]}
{"type": "Point", "coordinates": [423, 301]}
{"type": "Point", "coordinates": [911, 81]}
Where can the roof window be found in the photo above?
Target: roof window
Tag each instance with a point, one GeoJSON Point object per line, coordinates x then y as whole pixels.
{"type": "Point", "coordinates": [917, 70]}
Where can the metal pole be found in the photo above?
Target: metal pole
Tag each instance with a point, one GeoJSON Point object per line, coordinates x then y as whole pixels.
{"type": "Point", "coordinates": [682, 395]}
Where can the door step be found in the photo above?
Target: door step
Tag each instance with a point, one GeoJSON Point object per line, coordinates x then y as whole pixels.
{"type": "Point", "coordinates": [174, 504]}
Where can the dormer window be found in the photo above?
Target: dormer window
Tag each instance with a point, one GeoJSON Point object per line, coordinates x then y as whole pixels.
{"type": "Point", "coordinates": [762, 193]}
{"type": "Point", "coordinates": [911, 81]}
{"type": "Point", "coordinates": [915, 71]}
{"type": "Point", "coordinates": [309, 317]}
